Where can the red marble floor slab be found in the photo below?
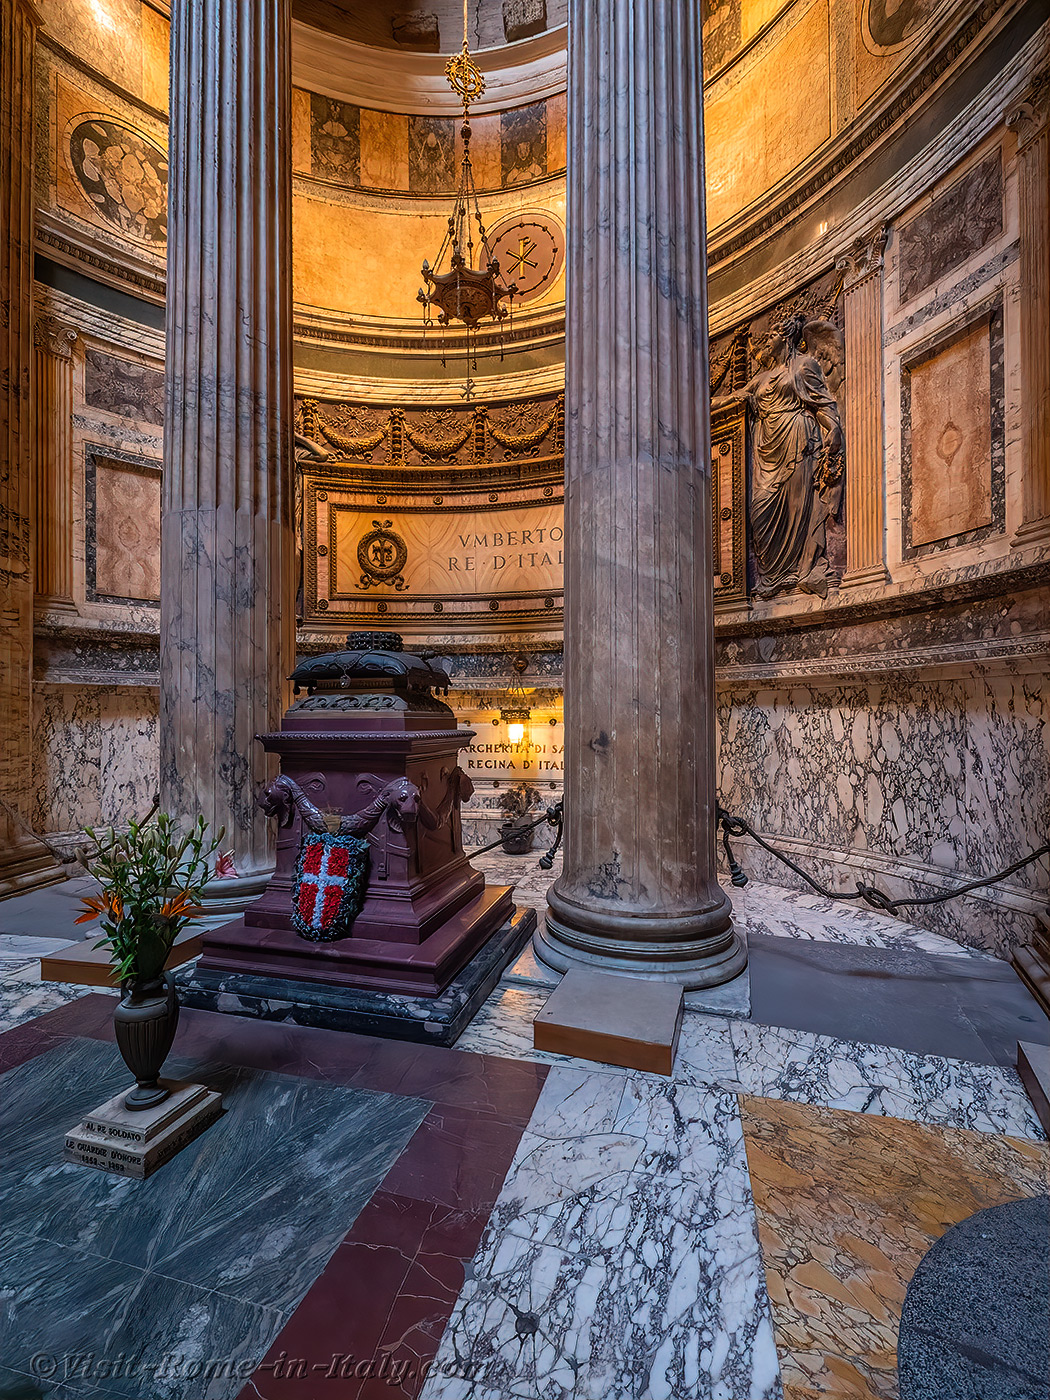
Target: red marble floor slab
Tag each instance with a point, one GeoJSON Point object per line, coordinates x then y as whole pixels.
{"type": "Point", "coordinates": [87, 1016]}
{"type": "Point", "coordinates": [487, 1084]}
{"type": "Point", "coordinates": [375, 1316]}
{"type": "Point", "coordinates": [370, 1324]}
{"type": "Point", "coordinates": [466, 1159]}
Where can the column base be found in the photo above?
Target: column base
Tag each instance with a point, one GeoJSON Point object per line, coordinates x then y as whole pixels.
{"type": "Point", "coordinates": [707, 960]}
{"type": "Point", "coordinates": [225, 899]}
{"type": "Point", "coordinates": [1032, 532]}
{"type": "Point", "coordinates": [871, 576]}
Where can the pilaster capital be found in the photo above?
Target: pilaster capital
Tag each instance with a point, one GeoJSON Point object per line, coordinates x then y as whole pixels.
{"type": "Point", "coordinates": [54, 337]}
{"type": "Point", "coordinates": [864, 258]}
{"type": "Point", "coordinates": [1028, 117]}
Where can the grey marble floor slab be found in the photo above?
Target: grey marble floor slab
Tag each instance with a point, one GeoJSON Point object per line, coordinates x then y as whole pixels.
{"type": "Point", "coordinates": [49, 912]}
{"type": "Point", "coordinates": [212, 1253]}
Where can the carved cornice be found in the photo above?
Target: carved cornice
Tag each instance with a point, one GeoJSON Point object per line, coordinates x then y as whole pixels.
{"type": "Point", "coordinates": [1028, 118]}
{"type": "Point", "coordinates": [50, 241]}
{"type": "Point", "coordinates": [54, 337]}
{"type": "Point", "coordinates": [864, 259]}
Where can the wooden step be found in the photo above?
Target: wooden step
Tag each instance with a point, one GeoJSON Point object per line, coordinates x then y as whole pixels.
{"type": "Point", "coordinates": [88, 966]}
{"type": "Point", "coordinates": [1033, 1065]}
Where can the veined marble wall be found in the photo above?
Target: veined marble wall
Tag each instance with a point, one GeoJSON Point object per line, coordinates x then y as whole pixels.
{"type": "Point", "coordinates": [911, 783]}
{"type": "Point", "coordinates": [95, 659]}
{"type": "Point", "coordinates": [97, 757]}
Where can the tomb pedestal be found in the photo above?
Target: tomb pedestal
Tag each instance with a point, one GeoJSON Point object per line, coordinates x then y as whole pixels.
{"type": "Point", "coordinates": [368, 750]}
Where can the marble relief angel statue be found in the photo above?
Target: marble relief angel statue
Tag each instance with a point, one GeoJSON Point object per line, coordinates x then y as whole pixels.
{"type": "Point", "coordinates": [796, 455]}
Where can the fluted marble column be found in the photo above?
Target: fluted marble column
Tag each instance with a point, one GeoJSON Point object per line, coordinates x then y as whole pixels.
{"type": "Point", "coordinates": [227, 610]}
{"type": "Point", "coordinates": [639, 891]}
{"type": "Point", "coordinates": [53, 462]}
{"type": "Point", "coordinates": [865, 507]}
{"type": "Point", "coordinates": [24, 860]}
{"type": "Point", "coordinates": [1030, 119]}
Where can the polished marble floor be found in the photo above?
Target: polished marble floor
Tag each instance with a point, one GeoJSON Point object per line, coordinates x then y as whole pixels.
{"type": "Point", "coordinates": [371, 1218]}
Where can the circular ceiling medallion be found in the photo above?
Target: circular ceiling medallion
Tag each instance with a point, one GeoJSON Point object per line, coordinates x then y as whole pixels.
{"type": "Point", "coordinates": [530, 250]}
{"type": "Point", "coordinates": [890, 25]}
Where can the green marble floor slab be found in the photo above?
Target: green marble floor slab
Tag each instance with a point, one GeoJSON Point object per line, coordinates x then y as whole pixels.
{"type": "Point", "coordinates": [209, 1256]}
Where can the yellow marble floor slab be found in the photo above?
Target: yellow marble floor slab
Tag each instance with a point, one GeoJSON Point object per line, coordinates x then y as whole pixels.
{"type": "Point", "coordinates": [847, 1205]}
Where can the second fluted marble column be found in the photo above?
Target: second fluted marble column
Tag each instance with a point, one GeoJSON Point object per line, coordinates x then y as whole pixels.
{"type": "Point", "coordinates": [227, 609]}
{"type": "Point", "coordinates": [639, 892]}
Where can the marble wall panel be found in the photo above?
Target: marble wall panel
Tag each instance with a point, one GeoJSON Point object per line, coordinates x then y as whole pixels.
{"type": "Point", "coordinates": [384, 151]}
{"type": "Point", "coordinates": [902, 782]}
{"type": "Point", "coordinates": [954, 227]}
{"type": "Point", "coordinates": [156, 43]}
{"type": "Point", "coordinates": [335, 140]}
{"type": "Point", "coordinates": [301, 158]}
{"type": "Point", "coordinates": [122, 544]}
{"type": "Point", "coordinates": [730, 25]}
{"type": "Point", "coordinates": [111, 37]}
{"type": "Point", "coordinates": [431, 155]}
{"type": "Point", "coordinates": [914, 776]}
{"type": "Point", "coordinates": [557, 131]}
{"type": "Point", "coordinates": [123, 386]}
{"type": "Point", "coordinates": [1008, 773]}
{"type": "Point", "coordinates": [756, 129]}
{"type": "Point", "coordinates": [485, 149]}
{"type": "Point", "coordinates": [97, 755]}
{"type": "Point", "coordinates": [721, 33]}
{"type": "Point", "coordinates": [953, 478]}
{"type": "Point", "coordinates": [523, 140]}
{"type": "Point", "coordinates": [774, 758]}
{"type": "Point", "coordinates": [129, 748]}
{"type": "Point", "coordinates": [951, 439]}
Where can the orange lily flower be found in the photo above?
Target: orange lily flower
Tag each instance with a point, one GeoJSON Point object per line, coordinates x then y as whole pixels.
{"type": "Point", "coordinates": [179, 907]}
{"type": "Point", "coordinates": [96, 904]}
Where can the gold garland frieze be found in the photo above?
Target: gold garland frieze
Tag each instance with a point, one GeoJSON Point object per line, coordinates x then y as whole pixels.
{"type": "Point", "coordinates": [528, 436]}
{"type": "Point", "coordinates": [356, 446]}
{"type": "Point", "coordinates": [463, 439]}
{"type": "Point", "coordinates": [439, 446]}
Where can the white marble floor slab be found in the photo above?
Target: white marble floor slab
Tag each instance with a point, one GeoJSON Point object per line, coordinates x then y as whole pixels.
{"type": "Point", "coordinates": [21, 999]}
{"type": "Point", "coordinates": [778, 1063]}
{"type": "Point", "coordinates": [621, 1261]}
{"type": "Point", "coordinates": [783, 913]}
{"type": "Point", "coordinates": [757, 907]}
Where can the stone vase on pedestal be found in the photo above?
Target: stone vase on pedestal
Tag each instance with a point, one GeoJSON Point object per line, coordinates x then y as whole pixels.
{"type": "Point", "coordinates": [144, 1022]}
